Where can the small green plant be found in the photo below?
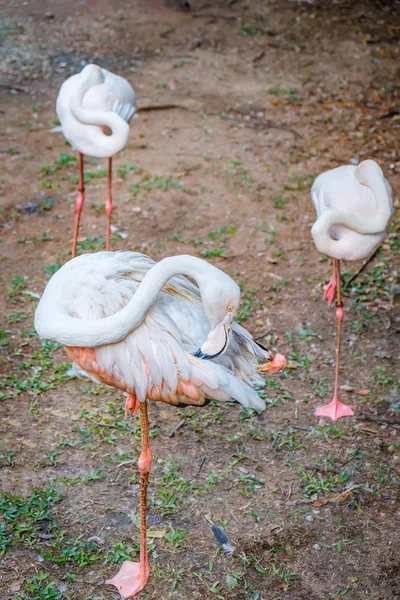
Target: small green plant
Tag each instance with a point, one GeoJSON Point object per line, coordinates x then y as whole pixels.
{"type": "Point", "coordinates": [214, 252]}
{"type": "Point", "coordinates": [39, 589]}
{"type": "Point", "coordinates": [176, 537]}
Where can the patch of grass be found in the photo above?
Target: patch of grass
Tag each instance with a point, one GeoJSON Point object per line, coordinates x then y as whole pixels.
{"type": "Point", "coordinates": [157, 182]}
{"type": "Point", "coordinates": [89, 175]}
{"type": "Point", "coordinates": [125, 169]}
{"type": "Point", "coordinates": [286, 441]}
{"type": "Point", "coordinates": [90, 243]}
{"type": "Point", "coordinates": [278, 201]}
{"type": "Point", "coordinates": [171, 490]}
{"type": "Point", "coordinates": [80, 553]}
{"type": "Point", "coordinates": [25, 518]}
{"type": "Point", "coordinates": [52, 268]}
{"type": "Point", "coordinates": [39, 589]}
{"type": "Point", "coordinates": [214, 252]}
{"type": "Point", "coordinates": [35, 374]}
{"type": "Point", "coordinates": [220, 233]}
{"type": "Point", "coordinates": [95, 475]}
{"type": "Point", "coordinates": [119, 552]}
{"type": "Point", "coordinates": [15, 291]}
{"type": "Point", "coordinates": [64, 161]}
{"type": "Point", "coordinates": [176, 537]}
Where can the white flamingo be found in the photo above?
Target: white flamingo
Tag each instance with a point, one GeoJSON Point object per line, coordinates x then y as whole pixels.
{"type": "Point", "coordinates": [354, 209]}
{"type": "Point", "coordinates": [135, 325]}
{"type": "Point", "coordinates": [94, 108]}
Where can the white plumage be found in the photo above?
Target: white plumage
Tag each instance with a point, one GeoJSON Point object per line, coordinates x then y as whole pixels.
{"type": "Point", "coordinates": [354, 208]}
{"type": "Point", "coordinates": [147, 350]}
{"type": "Point", "coordinates": [94, 108]}
{"type": "Point", "coordinates": [91, 101]}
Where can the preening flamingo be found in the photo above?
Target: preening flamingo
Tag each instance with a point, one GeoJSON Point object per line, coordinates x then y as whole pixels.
{"type": "Point", "coordinates": [135, 325]}
{"type": "Point", "coordinates": [354, 209]}
{"type": "Point", "coordinates": [94, 108]}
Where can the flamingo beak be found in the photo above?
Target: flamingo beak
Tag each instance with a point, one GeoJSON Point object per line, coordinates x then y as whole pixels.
{"type": "Point", "coordinates": [217, 340]}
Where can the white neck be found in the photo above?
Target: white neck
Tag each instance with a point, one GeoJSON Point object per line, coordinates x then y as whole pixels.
{"type": "Point", "coordinates": [106, 145]}
{"type": "Point", "coordinates": [369, 174]}
{"type": "Point", "coordinates": [53, 321]}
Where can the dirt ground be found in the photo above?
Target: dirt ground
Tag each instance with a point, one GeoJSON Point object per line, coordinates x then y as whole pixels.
{"type": "Point", "coordinates": [268, 95]}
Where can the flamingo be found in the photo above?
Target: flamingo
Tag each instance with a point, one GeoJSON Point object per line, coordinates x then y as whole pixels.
{"type": "Point", "coordinates": [94, 108]}
{"type": "Point", "coordinates": [135, 325]}
{"type": "Point", "coordinates": [354, 209]}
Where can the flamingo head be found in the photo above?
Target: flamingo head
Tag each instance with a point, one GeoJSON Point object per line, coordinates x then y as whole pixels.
{"type": "Point", "coordinates": [221, 304]}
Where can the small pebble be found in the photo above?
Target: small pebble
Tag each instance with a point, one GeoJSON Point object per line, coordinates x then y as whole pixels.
{"type": "Point", "coordinates": [316, 547]}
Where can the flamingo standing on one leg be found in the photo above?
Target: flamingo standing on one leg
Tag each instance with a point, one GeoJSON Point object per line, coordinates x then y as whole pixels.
{"type": "Point", "coordinates": [135, 325]}
{"type": "Point", "coordinates": [354, 209]}
{"type": "Point", "coordinates": [94, 108]}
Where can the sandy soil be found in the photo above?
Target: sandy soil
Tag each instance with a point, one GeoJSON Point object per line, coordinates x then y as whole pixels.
{"type": "Point", "coordinates": [269, 94]}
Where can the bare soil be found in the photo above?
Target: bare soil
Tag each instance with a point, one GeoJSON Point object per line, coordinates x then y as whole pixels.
{"type": "Point", "coordinates": [268, 95]}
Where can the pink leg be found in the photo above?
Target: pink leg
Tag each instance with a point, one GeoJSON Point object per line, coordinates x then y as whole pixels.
{"type": "Point", "coordinates": [109, 205]}
{"type": "Point", "coordinates": [336, 409]}
{"type": "Point", "coordinates": [79, 203]}
{"type": "Point", "coordinates": [330, 289]}
{"type": "Point", "coordinates": [133, 576]}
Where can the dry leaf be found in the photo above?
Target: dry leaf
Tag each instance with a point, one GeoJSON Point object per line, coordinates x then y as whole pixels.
{"type": "Point", "coordinates": [156, 534]}
{"type": "Point", "coordinates": [15, 586]}
{"type": "Point", "coordinates": [363, 392]}
{"type": "Point", "coordinates": [319, 503]}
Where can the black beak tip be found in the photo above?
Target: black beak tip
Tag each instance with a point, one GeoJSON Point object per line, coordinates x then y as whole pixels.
{"type": "Point", "coordinates": [200, 354]}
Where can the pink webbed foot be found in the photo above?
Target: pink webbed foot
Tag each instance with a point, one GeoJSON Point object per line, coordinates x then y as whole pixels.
{"type": "Point", "coordinates": [330, 291]}
{"type": "Point", "coordinates": [277, 364]}
{"type": "Point", "coordinates": [334, 410]}
{"type": "Point", "coordinates": [131, 578]}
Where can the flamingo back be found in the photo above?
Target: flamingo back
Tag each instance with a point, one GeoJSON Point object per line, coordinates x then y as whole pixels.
{"type": "Point", "coordinates": [339, 190]}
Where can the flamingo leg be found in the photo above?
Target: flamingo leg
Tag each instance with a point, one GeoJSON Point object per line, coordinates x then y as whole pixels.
{"type": "Point", "coordinates": [79, 202]}
{"type": "Point", "coordinates": [336, 409]}
{"type": "Point", "coordinates": [330, 289]}
{"type": "Point", "coordinates": [109, 204]}
{"type": "Point", "coordinates": [133, 576]}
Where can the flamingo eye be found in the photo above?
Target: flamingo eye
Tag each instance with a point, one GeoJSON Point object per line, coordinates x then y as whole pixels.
{"type": "Point", "coordinates": [230, 308]}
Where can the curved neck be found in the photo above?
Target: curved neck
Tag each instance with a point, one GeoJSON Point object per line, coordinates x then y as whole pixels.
{"type": "Point", "coordinates": [106, 144]}
{"type": "Point", "coordinates": [53, 321]}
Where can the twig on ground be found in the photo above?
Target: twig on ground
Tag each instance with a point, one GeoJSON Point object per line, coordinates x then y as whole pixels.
{"type": "Point", "coordinates": [258, 57]}
{"type": "Point", "coordinates": [160, 107]}
{"type": "Point", "coordinates": [290, 491]}
{"type": "Point", "coordinates": [211, 16]}
{"type": "Point", "coordinates": [302, 427]}
{"type": "Point", "coordinates": [354, 487]}
{"type": "Point", "coordinates": [360, 270]}
{"type": "Point", "coordinates": [108, 425]}
{"type": "Point", "coordinates": [389, 115]}
{"type": "Point", "coordinates": [173, 432]}
{"type": "Point", "coordinates": [14, 86]}
{"type": "Point", "coordinates": [166, 33]}
{"type": "Point", "coordinates": [202, 461]}
{"type": "Point", "coordinates": [321, 469]}
{"type": "Point", "coordinates": [389, 421]}
{"type": "Point", "coordinates": [267, 124]}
